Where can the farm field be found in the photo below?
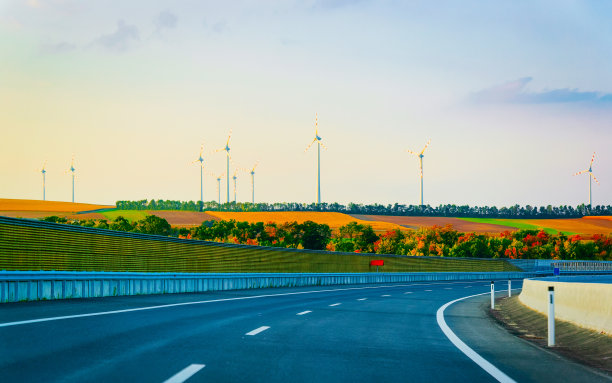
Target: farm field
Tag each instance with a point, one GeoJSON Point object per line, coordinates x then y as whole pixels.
{"type": "Point", "coordinates": [23, 205]}
{"type": "Point", "coordinates": [417, 222]}
{"type": "Point", "coordinates": [569, 226]}
{"type": "Point", "coordinates": [334, 220]}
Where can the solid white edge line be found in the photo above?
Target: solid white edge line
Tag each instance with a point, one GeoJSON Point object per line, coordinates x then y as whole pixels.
{"type": "Point", "coordinates": [185, 373]}
{"type": "Point", "coordinates": [257, 330]}
{"type": "Point", "coordinates": [479, 360]}
{"type": "Point", "coordinates": [18, 323]}
{"type": "Point", "coordinates": [304, 312]}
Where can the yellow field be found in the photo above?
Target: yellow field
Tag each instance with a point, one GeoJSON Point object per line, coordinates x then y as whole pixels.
{"type": "Point", "coordinates": [334, 220]}
{"type": "Point", "coordinates": [46, 206]}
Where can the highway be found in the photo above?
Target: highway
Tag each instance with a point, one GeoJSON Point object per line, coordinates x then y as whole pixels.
{"type": "Point", "coordinates": [374, 333]}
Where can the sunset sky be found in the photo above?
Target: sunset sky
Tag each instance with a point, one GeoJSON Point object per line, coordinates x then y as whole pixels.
{"type": "Point", "coordinates": [515, 97]}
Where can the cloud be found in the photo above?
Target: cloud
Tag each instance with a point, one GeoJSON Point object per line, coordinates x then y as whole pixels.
{"type": "Point", "coordinates": [59, 48]}
{"type": "Point", "coordinates": [120, 39]}
{"type": "Point", "coordinates": [515, 92]}
{"type": "Point", "coordinates": [166, 20]}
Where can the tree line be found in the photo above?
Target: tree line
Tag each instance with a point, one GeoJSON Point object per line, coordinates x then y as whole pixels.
{"type": "Point", "coordinates": [448, 210]}
{"type": "Point", "coordinates": [361, 238]}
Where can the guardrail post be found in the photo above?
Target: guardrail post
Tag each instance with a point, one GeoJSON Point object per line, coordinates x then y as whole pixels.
{"type": "Point", "coordinates": [492, 294]}
{"type": "Point", "coordinates": [509, 287]}
{"type": "Point", "coordinates": [551, 316]}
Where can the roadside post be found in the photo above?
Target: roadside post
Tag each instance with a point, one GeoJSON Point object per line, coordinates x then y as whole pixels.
{"type": "Point", "coordinates": [377, 262]}
{"type": "Point", "coordinates": [509, 288]}
{"type": "Point", "coordinates": [551, 316]}
{"type": "Point", "coordinates": [492, 294]}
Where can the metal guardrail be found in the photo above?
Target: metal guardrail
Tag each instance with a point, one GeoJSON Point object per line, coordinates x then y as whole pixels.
{"type": "Point", "coordinates": [547, 265]}
{"type": "Point", "coordinates": [16, 286]}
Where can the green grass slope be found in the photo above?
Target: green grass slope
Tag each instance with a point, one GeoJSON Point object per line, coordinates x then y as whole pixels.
{"type": "Point", "coordinates": [44, 246]}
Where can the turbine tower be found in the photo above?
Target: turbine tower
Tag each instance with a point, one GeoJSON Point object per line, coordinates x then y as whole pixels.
{"type": "Point", "coordinates": [227, 151]}
{"type": "Point", "coordinates": [421, 155]}
{"type": "Point", "coordinates": [219, 188]}
{"type": "Point", "coordinates": [201, 161]}
{"type": "Point", "coordinates": [590, 171]}
{"type": "Point", "coordinates": [72, 169]}
{"type": "Point", "coordinates": [317, 139]}
{"type": "Point", "coordinates": [235, 177]}
{"type": "Point", "coordinates": [44, 172]}
{"type": "Point", "coordinates": [253, 182]}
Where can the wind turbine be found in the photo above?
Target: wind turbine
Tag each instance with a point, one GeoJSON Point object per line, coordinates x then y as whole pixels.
{"type": "Point", "coordinates": [227, 151]}
{"type": "Point", "coordinates": [72, 169]}
{"type": "Point", "coordinates": [590, 171]}
{"type": "Point", "coordinates": [253, 182]}
{"type": "Point", "coordinates": [317, 139]}
{"type": "Point", "coordinates": [44, 172]}
{"type": "Point", "coordinates": [201, 161]}
{"type": "Point", "coordinates": [421, 155]}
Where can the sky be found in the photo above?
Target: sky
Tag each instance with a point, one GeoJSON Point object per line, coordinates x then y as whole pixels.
{"type": "Point", "coordinates": [515, 97]}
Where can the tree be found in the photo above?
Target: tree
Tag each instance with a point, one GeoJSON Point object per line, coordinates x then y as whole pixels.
{"type": "Point", "coordinates": [153, 224]}
{"type": "Point", "coordinates": [121, 224]}
{"type": "Point", "coordinates": [314, 236]}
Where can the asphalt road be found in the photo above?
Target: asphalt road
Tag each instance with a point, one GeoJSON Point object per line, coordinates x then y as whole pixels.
{"type": "Point", "coordinates": [373, 333]}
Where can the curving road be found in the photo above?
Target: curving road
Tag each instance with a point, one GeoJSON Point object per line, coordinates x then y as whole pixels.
{"type": "Point", "coordinates": [370, 333]}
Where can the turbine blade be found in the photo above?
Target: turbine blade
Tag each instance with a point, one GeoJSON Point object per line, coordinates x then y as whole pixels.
{"type": "Point", "coordinates": [411, 152]}
{"type": "Point", "coordinates": [201, 149]}
{"type": "Point", "coordinates": [584, 171]}
{"type": "Point", "coordinates": [426, 145]}
{"type": "Point", "coordinates": [594, 178]}
{"type": "Point", "coordinates": [324, 147]}
{"type": "Point", "coordinates": [228, 138]}
{"type": "Point", "coordinates": [313, 141]}
{"type": "Point", "coordinates": [592, 159]}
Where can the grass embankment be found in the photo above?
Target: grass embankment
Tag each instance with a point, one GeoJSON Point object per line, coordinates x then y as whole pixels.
{"type": "Point", "coordinates": [62, 247]}
{"type": "Point", "coordinates": [525, 224]}
{"type": "Point", "coordinates": [586, 346]}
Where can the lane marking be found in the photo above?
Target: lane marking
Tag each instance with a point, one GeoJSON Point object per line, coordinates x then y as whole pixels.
{"type": "Point", "coordinates": [30, 321]}
{"type": "Point", "coordinates": [335, 304]}
{"type": "Point", "coordinates": [386, 295]}
{"type": "Point", "coordinates": [448, 288]}
{"type": "Point", "coordinates": [304, 312]}
{"type": "Point", "coordinates": [467, 287]}
{"type": "Point", "coordinates": [185, 373]}
{"type": "Point", "coordinates": [408, 292]}
{"type": "Point", "coordinates": [464, 348]}
{"type": "Point", "coordinates": [257, 330]}
{"type": "Point", "coordinates": [428, 290]}
{"type": "Point", "coordinates": [362, 299]}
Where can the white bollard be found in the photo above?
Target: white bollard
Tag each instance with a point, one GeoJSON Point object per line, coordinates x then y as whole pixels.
{"type": "Point", "coordinates": [551, 316]}
{"type": "Point", "coordinates": [509, 287]}
{"type": "Point", "coordinates": [492, 295]}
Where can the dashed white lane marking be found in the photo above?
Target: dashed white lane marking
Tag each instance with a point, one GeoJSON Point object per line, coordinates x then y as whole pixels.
{"type": "Point", "coordinates": [467, 287]}
{"type": "Point", "coordinates": [257, 330]}
{"type": "Point", "coordinates": [99, 313]}
{"type": "Point", "coordinates": [408, 292]}
{"type": "Point", "coordinates": [304, 312]}
{"type": "Point", "coordinates": [185, 373]}
{"type": "Point", "coordinates": [479, 360]}
{"type": "Point", "coordinates": [428, 290]}
{"type": "Point", "coordinates": [448, 288]}
{"type": "Point", "coordinates": [335, 304]}
{"type": "Point", "coordinates": [362, 299]}
{"type": "Point", "coordinates": [386, 295]}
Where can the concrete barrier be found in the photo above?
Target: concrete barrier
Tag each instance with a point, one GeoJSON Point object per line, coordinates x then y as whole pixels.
{"type": "Point", "coordinates": [16, 286]}
{"type": "Point", "coordinates": [588, 305]}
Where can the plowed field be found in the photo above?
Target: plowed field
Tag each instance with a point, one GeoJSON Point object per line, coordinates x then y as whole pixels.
{"type": "Point", "coordinates": [417, 222]}
{"type": "Point", "coordinates": [334, 220]}
{"type": "Point", "coordinates": [183, 218]}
